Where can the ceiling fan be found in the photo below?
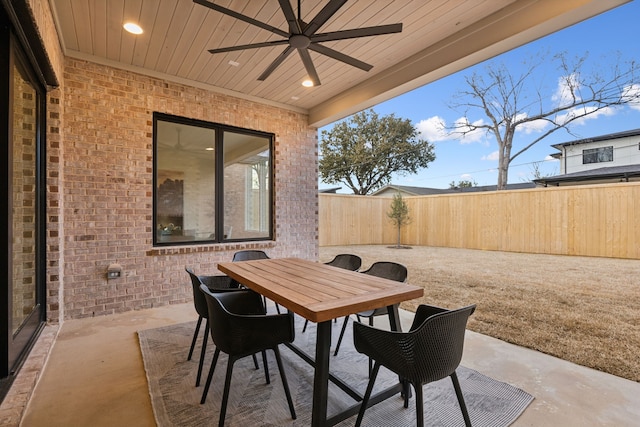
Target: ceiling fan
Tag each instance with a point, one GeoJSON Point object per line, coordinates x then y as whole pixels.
{"type": "Point", "coordinates": [303, 36]}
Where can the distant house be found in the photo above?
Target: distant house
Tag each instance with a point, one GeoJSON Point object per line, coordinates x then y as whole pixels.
{"type": "Point", "coordinates": [391, 190]}
{"type": "Point", "coordinates": [607, 158]}
{"type": "Point", "coordinates": [611, 174]}
{"type": "Point", "coordinates": [332, 190]}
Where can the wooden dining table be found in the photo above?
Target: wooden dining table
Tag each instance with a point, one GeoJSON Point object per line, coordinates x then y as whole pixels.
{"type": "Point", "coordinates": [321, 293]}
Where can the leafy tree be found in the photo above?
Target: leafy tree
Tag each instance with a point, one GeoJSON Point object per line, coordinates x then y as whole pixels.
{"type": "Point", "coordinates": [365, 150]}
{"type": "Point", "coordinates": [511, 103]}
{"type": "Point", "coordinates": [463, 183]}
{"type": "Point", "coordinates": [399, 214]}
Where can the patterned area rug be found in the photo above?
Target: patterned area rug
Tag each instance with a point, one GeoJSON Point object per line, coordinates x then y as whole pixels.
{"type": "Point", "coordinates": [176, 400]}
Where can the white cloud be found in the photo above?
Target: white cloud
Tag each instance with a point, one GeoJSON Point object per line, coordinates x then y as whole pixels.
{"type": "Point", "coordinates": [589, 110]}
{"type": "Point", "coordinates": [471, 136]}
{"type": "Point", "coordinates": [535, 126]}
{"type": "Point", "coordinates": [466, 177]}
{"type": "Point", "coordinates": [493, 156]}
{"type": "Point", "coordinates": [567, 88]}
{"type": "Point", "coordinates": [631, 94]}
{"type": "Point", "coordinates": [551, 159]}
{"type": "Point", "coordinates": [433, 129]}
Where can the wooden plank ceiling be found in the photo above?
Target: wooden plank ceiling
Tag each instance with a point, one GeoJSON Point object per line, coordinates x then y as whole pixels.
{"type": "Point", "coordinates": [438, 38]}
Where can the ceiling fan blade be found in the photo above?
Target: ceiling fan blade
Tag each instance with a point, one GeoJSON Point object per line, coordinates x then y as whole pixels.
{"type": "Point", "coordinates": [323, 16]}
{"type": "Point", "coordinates": [266, 73]}
{"type": "Point", "coordinates": [357, 32]}
{"type": "Point", "coordinates": [308, 65]}
{"type": "Point", "coordinates": [242, 17]}
{"type": "Point", "coordinates": [340, 56]}
{"type": "Point", "coordinates": [248, 46]}
{"type": "Point", "coordinates": [294, 25]}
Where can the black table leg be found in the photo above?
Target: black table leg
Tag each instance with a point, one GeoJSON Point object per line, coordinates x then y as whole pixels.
{"type": "Point", "coordinates": [321, 376]}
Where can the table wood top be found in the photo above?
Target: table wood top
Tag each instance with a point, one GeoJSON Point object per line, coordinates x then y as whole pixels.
{"type": "Point", "coordinates": [317, 291]}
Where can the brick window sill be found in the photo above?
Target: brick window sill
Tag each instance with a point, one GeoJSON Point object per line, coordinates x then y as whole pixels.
{"type": "Point", "coordinates": [218, 247]}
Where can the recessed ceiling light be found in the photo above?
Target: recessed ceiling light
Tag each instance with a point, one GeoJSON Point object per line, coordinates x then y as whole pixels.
{"type": "Point", "coordinates": [295, 98]}
{"type": "Point", "coordinates": [307, 83]}
{"type": "Point", "coordinates": [234, 63]}
{"type": "Point", "coordinates": [209, 149]}
{"type": "Point", "coordinates": [132, 27]}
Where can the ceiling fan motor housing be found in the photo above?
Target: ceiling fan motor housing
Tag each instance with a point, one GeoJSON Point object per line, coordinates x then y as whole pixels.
{"type": "Point", "coordinates": [299, 41]}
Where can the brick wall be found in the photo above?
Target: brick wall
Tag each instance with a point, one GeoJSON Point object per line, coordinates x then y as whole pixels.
{"type": "Point", "coordinates": [106, 188]}
{"type": "Point", "coordinates": [43, 18]}
{"type": "Point", "coordinates": [55, 216]}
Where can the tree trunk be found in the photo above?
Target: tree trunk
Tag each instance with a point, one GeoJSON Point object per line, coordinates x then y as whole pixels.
{"type": "Point", "coordinates": [503, 170]}
{"type": "Point", "coordinates": [504, 157]}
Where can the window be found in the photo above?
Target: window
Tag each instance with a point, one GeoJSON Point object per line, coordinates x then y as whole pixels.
{"type": "Point", "coordinates": [213, 183]}
{"type": "Point", "coordinates": [597, 155]}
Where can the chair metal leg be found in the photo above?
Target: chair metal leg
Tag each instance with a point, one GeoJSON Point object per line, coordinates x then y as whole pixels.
{"type": "Point", "coordinates": [285, 384]}
{"type": "Point", "coordinates": [463, 407]}
{"type": "Point", "coordinates": [202, 352]}
{"type": "Point", "coordinates": [255, 361]}
{"type": "Point", "coordinates": [195, 338]}
{"type": "Point", "coordinates": [210, 376]}
{"type": "Point", "coordinates": [370, 361]}
{"type": "Point", "coordinates": [266, 367]}
{"type": "Point", "coordinates": [344, 328]}
{"type": "Point", "coordinates": [406, 392]}
{"type": "Point", "coordinates": [367, 394]}
{"type": "Point", "coordinates": [419, 406]}
{"type": "Point", "coordinates": [264, 301]}
{"type": "Point", "coordinates": [225, 394]}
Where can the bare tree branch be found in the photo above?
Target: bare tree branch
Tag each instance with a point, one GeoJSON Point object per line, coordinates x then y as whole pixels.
{"type": "Point", "coordinates": [509, 103]}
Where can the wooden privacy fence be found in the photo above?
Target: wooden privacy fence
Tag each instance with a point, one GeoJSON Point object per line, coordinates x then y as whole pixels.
{"type": "Point", "coordinates": [587, 220]}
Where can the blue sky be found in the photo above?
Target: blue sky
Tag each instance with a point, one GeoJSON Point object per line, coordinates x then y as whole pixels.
{"type": "Point", "coordinates": [601, 37]}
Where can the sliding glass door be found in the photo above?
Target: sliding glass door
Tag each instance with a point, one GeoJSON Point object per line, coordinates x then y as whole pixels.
{"type": "Point", "coordinates": [21, 211]}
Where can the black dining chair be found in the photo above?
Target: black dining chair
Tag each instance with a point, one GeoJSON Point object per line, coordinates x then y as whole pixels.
{"type": "Point", "coordinates": [239, 328]}
{"type": "Point", "coordinates": [429, 351]}
{"type": "Point", "coordinates": [250, 255]}
{"type": "Point", "coordinates": [218, 283]}
{"type": "Point", "coordinates": [387, 270]}
{"type": "Point", "coordinates": [348, 262]}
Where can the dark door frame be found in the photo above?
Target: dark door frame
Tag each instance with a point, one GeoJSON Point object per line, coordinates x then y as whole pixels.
{"type": "Point", "coordinates": [16, 45]}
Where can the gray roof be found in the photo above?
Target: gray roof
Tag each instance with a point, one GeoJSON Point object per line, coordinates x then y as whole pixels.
{"type": "Point", "coordinates": [427, 191]}
{"type": "Point", "coordinates": [616, 135]}
{"type": "Point", "coordinates": [329, 190]}
{"type": "Point", "coordinates": [610, 173]}
{"type": "Point", "coordinates": [480, 188]}
{"type": "Point", "coordinates": [416, 191]}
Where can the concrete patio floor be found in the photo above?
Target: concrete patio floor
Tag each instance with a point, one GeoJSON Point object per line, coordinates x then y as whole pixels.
{"type": "Point", "coordinates": [94, 376]}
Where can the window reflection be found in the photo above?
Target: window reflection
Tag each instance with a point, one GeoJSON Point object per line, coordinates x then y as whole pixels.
{"type": "Point", "coordinates": [24, 198]}
{"type": "Point", "coordinates": [187, 206]}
